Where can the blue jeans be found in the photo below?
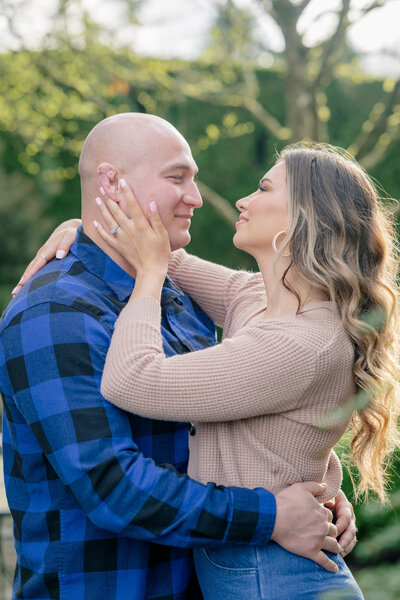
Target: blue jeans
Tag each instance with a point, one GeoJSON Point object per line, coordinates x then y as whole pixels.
{"type": "Point", "coordinates": [270, 573]}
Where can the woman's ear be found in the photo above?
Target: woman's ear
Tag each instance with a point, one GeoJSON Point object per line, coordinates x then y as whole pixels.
{"type": "Point", "coordinates": [109, 180]}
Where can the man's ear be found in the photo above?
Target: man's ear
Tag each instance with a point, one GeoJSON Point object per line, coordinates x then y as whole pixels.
{"type": "Point", "coordinates": [109, 180]}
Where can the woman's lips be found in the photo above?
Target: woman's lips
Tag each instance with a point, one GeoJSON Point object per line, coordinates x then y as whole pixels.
{"type": "Point", "coordinates": [241, 221]}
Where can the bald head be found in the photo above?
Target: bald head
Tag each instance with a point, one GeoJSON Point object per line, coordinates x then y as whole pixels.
{"type": "Point", "coordinates": [156, 162]}
{"type": "Point", "coordinates": [124, 140]}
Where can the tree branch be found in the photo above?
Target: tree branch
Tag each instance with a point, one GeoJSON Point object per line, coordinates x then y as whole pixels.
{"type": "Point", "coordinates": [377, 4]}
{"type": "Point", "coordinates": [366, 139]}
{"type": "Point", "coordinates": [251, 103]}
{"type": "Point", "coordinates": [334, 41]}
{"type": "Point", "coordinates": [10, 12]}
{"type": "Point", "coordinates": [58, 77]}
{"type": "Point", "coordinates": [244, 96]}
{"type": "Point", "coordinates": [378, 153]}
{"type": "Point", "coordinates": [262, 115]}
{"type": "Point", "coordinates": [220, 204]}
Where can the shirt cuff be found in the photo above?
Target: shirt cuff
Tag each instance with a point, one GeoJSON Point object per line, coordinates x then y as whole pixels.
{"type": "Point", "coordinates": [253, 517]}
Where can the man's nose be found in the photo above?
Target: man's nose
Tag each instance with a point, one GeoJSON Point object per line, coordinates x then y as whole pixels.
{"type": "Point", "coordinates": [193, 197]}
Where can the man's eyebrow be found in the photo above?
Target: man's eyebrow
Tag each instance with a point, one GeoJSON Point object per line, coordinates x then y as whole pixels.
{"type": "Point", "coordinates": [181, 167]}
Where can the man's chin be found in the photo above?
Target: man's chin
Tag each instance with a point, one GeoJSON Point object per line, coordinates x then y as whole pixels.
{"type": "Point", "coordinates": [180, 241]}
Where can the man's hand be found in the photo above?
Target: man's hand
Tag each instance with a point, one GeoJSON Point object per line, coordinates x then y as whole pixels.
{"type": "Point", "coordinates": [345, 522]}
{"type": "Point", "coordinates": [304, 526]}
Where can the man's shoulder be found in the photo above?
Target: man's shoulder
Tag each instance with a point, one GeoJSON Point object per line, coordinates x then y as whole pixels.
{"type": "Point", "coordinates": [62, 286]}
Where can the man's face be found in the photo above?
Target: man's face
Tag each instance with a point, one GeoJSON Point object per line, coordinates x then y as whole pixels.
{"type": "Point", "coordinates": [165, 175]}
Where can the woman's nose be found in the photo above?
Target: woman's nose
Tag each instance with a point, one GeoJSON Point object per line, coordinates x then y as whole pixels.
{"type": "Point", "coordinates": [242, 203]}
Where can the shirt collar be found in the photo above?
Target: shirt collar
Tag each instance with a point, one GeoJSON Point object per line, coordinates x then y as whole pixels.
{"type": "Point", "coordinates": [96, 261]}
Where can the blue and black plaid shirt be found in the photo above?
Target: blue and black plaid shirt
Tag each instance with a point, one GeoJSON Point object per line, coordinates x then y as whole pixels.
{"type": "Point", "coordinates": [87, 497]}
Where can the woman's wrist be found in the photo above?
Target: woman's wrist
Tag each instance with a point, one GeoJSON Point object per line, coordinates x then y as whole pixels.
{"type": "Point", "coordinates": [149, 283]}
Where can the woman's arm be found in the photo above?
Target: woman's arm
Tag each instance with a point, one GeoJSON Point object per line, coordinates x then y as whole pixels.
{"type": "Point", "coordinates": [240, 378]}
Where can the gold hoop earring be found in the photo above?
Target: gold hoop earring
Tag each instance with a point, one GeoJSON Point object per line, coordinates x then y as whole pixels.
{"type": "Point", "coordinates": [275, 249]}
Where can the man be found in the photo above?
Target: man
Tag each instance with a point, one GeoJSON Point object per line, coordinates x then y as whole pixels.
{"type": "Point", "coordinates": [94, 516]}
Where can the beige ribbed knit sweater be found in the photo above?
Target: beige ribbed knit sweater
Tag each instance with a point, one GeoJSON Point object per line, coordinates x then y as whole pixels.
{"type": "Point", "coordinates": [255, 397]}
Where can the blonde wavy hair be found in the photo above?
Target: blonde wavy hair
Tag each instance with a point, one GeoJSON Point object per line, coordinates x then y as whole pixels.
{"type": "Point", "coordinates": [342, 241]}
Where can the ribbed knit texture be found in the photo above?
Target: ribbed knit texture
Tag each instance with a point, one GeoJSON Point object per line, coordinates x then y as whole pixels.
{"type": "Point", "coordinates": [256, 397]}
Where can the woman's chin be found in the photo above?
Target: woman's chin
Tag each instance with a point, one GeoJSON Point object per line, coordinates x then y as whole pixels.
{"type": "Point", "coordinates": [236, 241]}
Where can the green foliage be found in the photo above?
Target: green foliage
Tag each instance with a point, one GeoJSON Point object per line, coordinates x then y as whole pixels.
{"type": "Point", "coordinates": [375, 561]}
{"type": "Point", "coordinates": [22, 220]}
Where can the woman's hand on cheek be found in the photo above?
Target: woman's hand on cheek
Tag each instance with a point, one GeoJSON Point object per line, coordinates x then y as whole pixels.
{"type": "Point", "coordinates": [143, 242]}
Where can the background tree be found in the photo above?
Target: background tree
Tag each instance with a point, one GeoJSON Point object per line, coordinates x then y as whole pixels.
{"type": "Point", "coordinates": [307, 72]}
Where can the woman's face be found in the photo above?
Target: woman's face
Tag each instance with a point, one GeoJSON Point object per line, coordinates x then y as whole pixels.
{"type": "Point", "coordinates": [263, 213]}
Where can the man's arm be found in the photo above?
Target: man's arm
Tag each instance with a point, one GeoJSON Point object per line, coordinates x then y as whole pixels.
{"type": "Point", "coordinates": [54, 359]}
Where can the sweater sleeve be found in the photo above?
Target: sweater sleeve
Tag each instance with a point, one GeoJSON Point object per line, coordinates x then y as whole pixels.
{"type": "Point", "coordinates": [258, 371]}
{"type": "Point", "coordinates": [212, 286]}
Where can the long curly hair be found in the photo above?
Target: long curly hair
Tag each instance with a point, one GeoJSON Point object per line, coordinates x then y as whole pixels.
{"type": "Point", "coordinates": [342, 242]}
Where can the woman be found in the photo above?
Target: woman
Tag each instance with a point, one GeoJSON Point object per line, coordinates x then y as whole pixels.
{"type": "Point", "coordinates": [287, 363]}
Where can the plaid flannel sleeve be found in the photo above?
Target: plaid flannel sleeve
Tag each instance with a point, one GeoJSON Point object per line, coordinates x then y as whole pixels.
{"type": "Point", "coordinates": [54, 357]}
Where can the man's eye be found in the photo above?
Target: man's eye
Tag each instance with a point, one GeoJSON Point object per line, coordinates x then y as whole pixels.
{"type": "Point", "coordinates": [176, 177]}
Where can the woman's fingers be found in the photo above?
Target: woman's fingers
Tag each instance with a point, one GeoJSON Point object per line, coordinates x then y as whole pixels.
{"type": "Point", "coordinates": [344, 513]}
{"type": "Point", "coordinates": [108, 219]}
{"type": "Point", "coordinates": [345, 523]}
{"type": "Point", "coordinates": [157, 224]}
{"type": "Point", "coordinates": [57, 246]}
{"type": "Point", "coordinates": [348, 539]}
{"type": "Point", "coordinates": [112, 214]}
{"type": "Point", "coordinates": [347, 546]}
{"type": "Point", "coordinates": [106, 235]}
{"type": "Point", "coordinates": [67, 239]}
{"type": "Point", "coordinates": [117, 215]}
{"type": "Point", "coordinates": [132, 204]}
{"type": "Point", "coordinates": [37, 263]}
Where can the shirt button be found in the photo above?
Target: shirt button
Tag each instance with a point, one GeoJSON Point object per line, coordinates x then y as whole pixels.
{"type": "Point", "coordinates": [192, 429]}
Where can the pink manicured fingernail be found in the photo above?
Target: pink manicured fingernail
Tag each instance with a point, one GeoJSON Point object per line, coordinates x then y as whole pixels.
{"type": "Point", "coordinates": [95, 223]}
{"type": "Point", "coordinates": [153, 207]}
{"type": "Point", "coordinates": [21, 280]}
{"type": "Point", "coordinates": [98, 201]}
{"type": "Point", "coordinates": [122, 182]}
{"type": "Point", "coordinates": [60, 253]}
{"type": "Point", "coordinates": [14, 291]}
{"type": "Point", "coordinates": [102, 190]}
